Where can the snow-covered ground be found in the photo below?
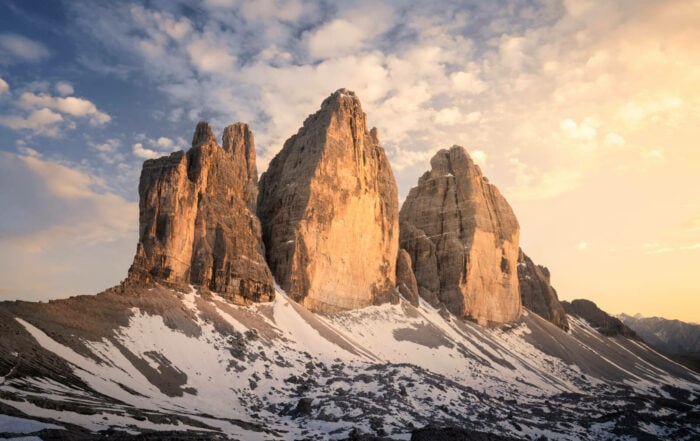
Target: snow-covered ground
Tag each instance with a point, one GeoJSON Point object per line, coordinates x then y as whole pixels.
{"type": "Point", "coordinates": [384, 369]}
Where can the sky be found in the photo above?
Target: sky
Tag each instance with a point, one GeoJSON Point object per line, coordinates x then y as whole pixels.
{"type": "Point", "coordinates": [584, 114]}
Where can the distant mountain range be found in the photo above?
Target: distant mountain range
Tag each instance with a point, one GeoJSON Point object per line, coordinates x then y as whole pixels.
{"type": "Point", "coordinates": [675, 338]}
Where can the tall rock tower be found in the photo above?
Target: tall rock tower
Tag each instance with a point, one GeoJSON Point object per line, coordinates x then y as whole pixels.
{"type": "Point", "coordinates": [328, 205]}
{"type": "Point", "coordinates": [462, 237]}
{"type": "Point", "coordinates": [197, 219]}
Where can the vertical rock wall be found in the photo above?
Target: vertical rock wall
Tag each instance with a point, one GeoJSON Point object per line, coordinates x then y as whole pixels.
{"type": "Point", "coordinates": [328, 204]}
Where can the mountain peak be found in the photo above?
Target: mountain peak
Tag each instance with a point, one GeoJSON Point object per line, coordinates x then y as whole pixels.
{"type": "Point", "coordinates": [463, 240]}
{"type": "Point", "coordinates": [203, 134]}
{"type": "Point", "coordinates": [329, 208]}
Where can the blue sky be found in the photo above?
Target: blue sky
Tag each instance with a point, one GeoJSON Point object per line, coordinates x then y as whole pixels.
{"type": "Point", "coordinates": [584, 113]}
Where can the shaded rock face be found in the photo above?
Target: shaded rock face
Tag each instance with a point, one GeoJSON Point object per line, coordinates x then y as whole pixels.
{"type": "Point", "coordinates": [405, 279]}
{"type": "Point", "coordinates": [197, 219]}
{"type": "Point", "coordinates": [328, 205]}
{"type": "Point", "coordinates": [462, 237]}
{"type": "Point", "coordinates": [599, 319]}
{"type": "Point", "coordinates": [537, 293]}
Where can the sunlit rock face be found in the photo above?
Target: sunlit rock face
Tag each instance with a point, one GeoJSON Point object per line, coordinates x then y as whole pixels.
{"type": "Point", "coordinates": [197, 220]}
{"type": "Point", "coordinates": [462, 237]}
{"type": "Point", "coordinates": [328, 205]}
{"type": "Point", "coordinates": [537, 293]}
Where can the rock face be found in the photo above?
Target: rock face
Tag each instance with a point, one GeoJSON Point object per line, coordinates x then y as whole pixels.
{"type": "Point", "coordinates": [599, 319]}
{"type": "Point", "coordinates": [405, 279]}
{"type": "Point", "coordinates": [537, 293]}
{"type": "Point", "coordinates": [328, 205]}
{"type": "Point", "coordinates": [463, 240]}
{"type": "Point", "coordinates": [197, 219]}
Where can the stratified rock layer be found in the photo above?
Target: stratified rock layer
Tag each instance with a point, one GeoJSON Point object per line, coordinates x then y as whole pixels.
{"type": "Point", "coordinates": [463, 240]}
{"type": "Point", "coordinates": [328, 204]}
{"type": "Point", "coordinates": [537, 293]}
{"type": "Point", "coordinates": [197, 221]}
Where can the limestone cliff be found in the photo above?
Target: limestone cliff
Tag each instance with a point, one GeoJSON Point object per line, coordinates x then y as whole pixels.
{"type": "Point", "coordinates": [328, 205]}
{"type": "Point", "coordinates": [537, 293]}
{"type": "Point", "coordinates": [197, 219]}
{"type": "Point", "coordinates": [463, 240]}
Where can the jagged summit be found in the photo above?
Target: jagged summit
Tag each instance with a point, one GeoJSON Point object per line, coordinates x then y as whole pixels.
{"type": "Point", "coordinates": [196, 218]}
{"type": "Point", "coordinates": [328, 204]}
{"type": "Point", "coordinates": [463, 240]}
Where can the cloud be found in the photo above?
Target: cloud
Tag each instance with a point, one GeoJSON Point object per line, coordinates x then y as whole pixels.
{"type": "Point", "coordinates": [15, 48]}
{"type": "Point", "coordinates": [54, 204]}
{"type": "Point", "coordinates": [533, 184]}
{"type": "Point", "coordinates": [42, 122]}
{"type": "Point", "coordinates": [479, 157]}
{"type": "Point", "coordinates": [68, 105]}
{"type": "Point", "coordinates": [64, 88]}
{"type": "Point", "coordinates": [140, 151]}
{"type": "Point", "coordinates": [63, 224]}
{"type": "Point", "coordinates": [4, 87]}
{"type": "Point", "coordinates": [337, 38]}
{"type": "Point", "coordinates": [150, 148]}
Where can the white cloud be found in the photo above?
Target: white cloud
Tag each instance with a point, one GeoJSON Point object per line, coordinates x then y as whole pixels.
{"type": "Point", "coordinates": [65, 222]}
{"type": "Point", "coordinates": [467, 82]}
{"type": "Point", "coordinates": [479, 157]}
{"type": "Point", "coordinates": [614, 139]}
{"type": "Point", "coordinates": [68, 105]}
{"type": "Point", "coordinates": [109, 146]}
{"type": "Point", "coordinates": [448, 116]}
{"type": "Point", "coordinates": [584, 131]}
{"type": "Point", "coordinates": [64, 88]}
{"type": "Point", "coordinates": [17, 48]}
{"type": "Point", "coordinates": [208, 57]}
{"type": "Point", "coordinates": [337, 38]}
{"type": "Point", "coordinates": [164, 143]}
{"type": "Point", "coordinates": [4, 87]}
{"type": "Point", "coordinates": [139, 150]}
{"type": "Point", "coordinates": [42, 121]}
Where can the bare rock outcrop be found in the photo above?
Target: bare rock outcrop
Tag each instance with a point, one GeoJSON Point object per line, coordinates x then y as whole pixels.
{"type": "Point", "coordinates": [197, 222]}
{"type": "Point", "coordinates": [599, 319]}
{"type": "Point", "coordinates": [328, 205]}
{"type": "Point", "coordinates": [537, 293]}
{"type": "Point", "coordinates": [405, 279]}
{"type": "Point", "coordinates": [463, 240]}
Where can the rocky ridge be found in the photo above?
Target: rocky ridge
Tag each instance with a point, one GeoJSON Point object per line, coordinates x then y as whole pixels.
{"type": "Point", "coordinates": [328, 205]}
{"type": "Point", "coordinates": [197, 222]}
{"type": "Point", "coordinates": [462, 237]}
{"type": "Point", "coordinates": [597, 318]}
{"type": "Point", "coordinates": [537, 293]}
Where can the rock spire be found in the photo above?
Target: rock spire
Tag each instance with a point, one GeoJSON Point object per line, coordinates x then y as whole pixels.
{"type": "Point", "coordinates": [328, 205]}
{"type": "Point", "coordinates": [197, 221]}
{"type": "Point", "coordinates": [462, 237]}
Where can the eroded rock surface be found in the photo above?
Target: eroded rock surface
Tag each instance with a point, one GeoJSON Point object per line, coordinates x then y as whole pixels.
{"type": "Point", "coordinates": [463, 240]}
{"type": "Point", "coordinates": [328, 204]}
{"type": "Point", "coordinates": [197, 220]}
{"type": "Point", "coordinates": [537, 293]}
{"type": "Point", "coordinates": [405, 279]}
